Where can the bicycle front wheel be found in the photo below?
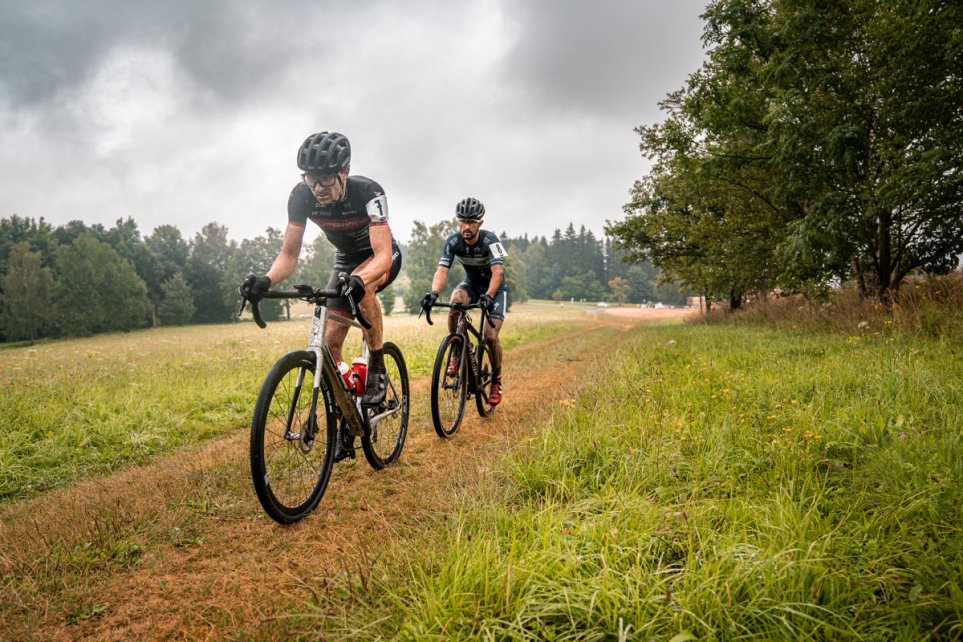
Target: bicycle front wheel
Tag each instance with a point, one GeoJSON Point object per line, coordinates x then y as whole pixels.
{"type": "Point", "coordinates": [291, 451]}
{"type": "Point", "coordinates": [483, 379]}
{"type": "Point", "coordinates": [388, 422]}
{"type": "Point", "coordinates": [448, 385]}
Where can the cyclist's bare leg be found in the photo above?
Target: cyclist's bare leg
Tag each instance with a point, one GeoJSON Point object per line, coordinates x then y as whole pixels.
{"type": "Point", "coordinates": [334, 334]}
{"type": "Point", "coordinates": [459, 295]}
{"type": "Point", "coordinates": [371, 308]}
{"type": "Point", "coordinates": [491, 337]}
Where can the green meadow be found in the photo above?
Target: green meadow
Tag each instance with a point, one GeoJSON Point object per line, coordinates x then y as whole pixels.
{"type": "Point", "coordinates": [80, 407]}
{"type": "Point", "coordinates": [717, 482]}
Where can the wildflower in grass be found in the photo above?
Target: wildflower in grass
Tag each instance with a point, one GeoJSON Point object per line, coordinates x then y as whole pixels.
{"type": "Point", "coordinates": [771, 417]}
{"type": "Point", "coordinates": [793, 402]}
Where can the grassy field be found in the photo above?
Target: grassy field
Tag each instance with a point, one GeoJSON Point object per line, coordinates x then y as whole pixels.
{"type": "Point", "coordinates": [717, 482]}
{"type": "Point", "coordinates": [80, 407]}
{"type": "Point", "coordinates": [720, 481]}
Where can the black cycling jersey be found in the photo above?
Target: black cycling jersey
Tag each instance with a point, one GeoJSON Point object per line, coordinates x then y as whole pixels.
{"type": "Point", "coordinates": [347, 222]}
{"type": "Point", "coordinates": [477, 258]}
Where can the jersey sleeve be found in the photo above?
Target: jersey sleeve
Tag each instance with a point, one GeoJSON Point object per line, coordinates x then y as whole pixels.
{"type": "Point", "coordinates": [496, 251]}
{"type": "Point", "coordinates": [300, 204]}
{"type": "Point", "coordinates": [447, 251]}
{"type": "Point", "coordinates": [376, 204]}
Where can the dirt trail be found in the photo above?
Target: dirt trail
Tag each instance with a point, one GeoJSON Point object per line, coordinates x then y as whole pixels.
{"type": "Point", "coordinates": [214, 565]}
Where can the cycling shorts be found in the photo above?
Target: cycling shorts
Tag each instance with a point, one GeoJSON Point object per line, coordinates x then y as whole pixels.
{"type": "Point", "coordinates": [340, 304]}
{"type": "Point", "coordinates": [475, 290]}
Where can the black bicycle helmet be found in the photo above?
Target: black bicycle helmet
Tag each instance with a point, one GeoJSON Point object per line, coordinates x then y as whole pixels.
{"type": "Point", "coordinates": [470, 209]}
{"type": "Point", "coordinates": [324, 153]}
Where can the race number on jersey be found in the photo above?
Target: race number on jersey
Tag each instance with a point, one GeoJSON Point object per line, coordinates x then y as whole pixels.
{"type": "Point", "coordinates": [498, 250]}
{"type": "Point", "coordinates": [378, 209]}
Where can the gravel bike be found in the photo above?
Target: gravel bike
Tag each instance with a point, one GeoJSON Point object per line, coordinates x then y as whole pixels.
{"type": "Point", "coordinates": [292, 452]}
{"type": "Point", "coordinates": [462, 370]}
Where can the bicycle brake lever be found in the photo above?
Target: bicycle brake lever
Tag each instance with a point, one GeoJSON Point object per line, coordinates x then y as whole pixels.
{"type": "Point", "coordinates": [256, 313]}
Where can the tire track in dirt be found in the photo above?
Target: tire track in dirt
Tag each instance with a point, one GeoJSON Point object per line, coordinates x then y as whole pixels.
{"type": "Point", "coordinates": [232, 568]}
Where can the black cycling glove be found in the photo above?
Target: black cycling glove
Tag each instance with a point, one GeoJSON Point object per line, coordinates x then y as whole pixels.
{"type": "Point", "coordinates": [485, 302]}
{"type": "Point", "coordinates": [429, 300]}
{"type": "Point", "coordinates": [253, 288]}
{"type": "Point", "coordinates": [354, 288]}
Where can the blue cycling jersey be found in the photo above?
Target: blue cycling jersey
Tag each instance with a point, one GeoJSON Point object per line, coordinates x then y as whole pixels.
{"type": "Point", "coordinates": [477, 258]}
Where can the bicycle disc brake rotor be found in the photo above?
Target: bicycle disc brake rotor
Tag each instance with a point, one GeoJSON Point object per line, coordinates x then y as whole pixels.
{"type": "Point", "coordinates": [306, 438]}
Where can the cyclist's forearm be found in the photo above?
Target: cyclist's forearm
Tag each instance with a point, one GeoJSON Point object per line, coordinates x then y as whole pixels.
{"type": "Point", "coordinates": [282, 268]}
{"type": "Point", "coordinates": [438, 281]}
{"type": "Point", "coordinates": [287, 259]}
{"type": "Point", "coordinates": [498, 276]}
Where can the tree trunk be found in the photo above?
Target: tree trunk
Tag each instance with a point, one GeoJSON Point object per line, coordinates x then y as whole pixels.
{"type": "Point", "coordinates": [884, 257]}
{"type": "Point", "coordinates": [860, 280]}
{"type": "Point", "coordinates": [735, 301]}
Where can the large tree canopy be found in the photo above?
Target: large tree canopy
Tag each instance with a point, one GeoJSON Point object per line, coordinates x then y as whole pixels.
{"type": "Point", "coordinates": [820, 141]}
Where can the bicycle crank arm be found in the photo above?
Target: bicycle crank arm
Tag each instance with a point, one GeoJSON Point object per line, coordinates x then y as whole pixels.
{"type": "Point", "coordinates": [374, 421]}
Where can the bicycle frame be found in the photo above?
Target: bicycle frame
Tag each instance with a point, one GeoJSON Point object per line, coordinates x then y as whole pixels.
{"type": "Point", "coordinates": [466, 329]}
{"type": "Point", "coordinates": [336, 394]}
{"type": "Point", "coordinates": [342, 398]}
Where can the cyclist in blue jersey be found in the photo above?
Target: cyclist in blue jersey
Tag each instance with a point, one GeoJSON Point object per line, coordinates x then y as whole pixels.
{"type": "Point", "coordinates": [483, 257]}
{"type": "Point", "coordinates": [352, 211]}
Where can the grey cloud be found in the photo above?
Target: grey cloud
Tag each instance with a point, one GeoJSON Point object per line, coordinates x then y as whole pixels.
{"type": "Point", "coordinates": [231, 49]}
{"type": "Point", "coordinates": [149, 100]}
{"type": "Point", "coordinates": [607, 57]}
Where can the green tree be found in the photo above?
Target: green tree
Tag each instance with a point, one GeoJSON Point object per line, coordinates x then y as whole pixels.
{"type": "Point", "coordinates": [620, 289]}
{"type": "Point", "coordinates": [176, 306]}
{"type": "Point", "coordinates": [25, 300]}
{"type": "Point", "coordinates": [97, 290]}
{"type": "Point", "coordinates": [424, 251]}
{"type": "Point", "coordinates": [316, 263]}
{"type": "Point", "coordinates": [215, 296]}
{"type": "Point", "coordinates": [516, 277]}
{"type": "Point", "coordinates": [387, 298]}
{"type": "Point", "coordinates": [819, 142]}
{"type": "Point", "coordinates": [36, 233]}
{"type": "Point", "coordinates": [254, 256]}
{"type": "Point", "coordinates": [125, 238]}
{"type": "Point", "coordinates": [537, 271]}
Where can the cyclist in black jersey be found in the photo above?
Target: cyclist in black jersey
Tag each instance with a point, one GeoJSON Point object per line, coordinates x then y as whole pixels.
{"type": "Point", "coordinates": [483, 257]}
{"type": "Point", "coordinates": [353, 214]}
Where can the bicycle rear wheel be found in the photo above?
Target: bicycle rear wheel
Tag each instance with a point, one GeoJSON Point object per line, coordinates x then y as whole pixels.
{"type": "Point", "coordinates": [291, 455]}
{"type": "Point", "coordinates": [448, 391]}
{"type": "Point", "coordinates": [383, 442]}
{"type": "Point", "coordinates": [483, 379]}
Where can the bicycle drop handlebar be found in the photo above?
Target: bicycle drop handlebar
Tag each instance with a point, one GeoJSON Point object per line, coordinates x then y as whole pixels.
{"type": "Point", "coordinates": [456, 306]}
{"type": "Point", "coordinates": [309, 294]}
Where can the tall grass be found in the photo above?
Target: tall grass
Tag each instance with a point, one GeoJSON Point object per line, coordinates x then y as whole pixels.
{"type": "Point", "coordinates": [719, 482]}
{"type": "Point", "coordinates": [925, 306]}
{"type": "Point", "coordinates": [75, 408]}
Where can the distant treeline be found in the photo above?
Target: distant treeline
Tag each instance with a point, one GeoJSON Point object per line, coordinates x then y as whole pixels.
{"type": "Point", "coordinates": [820, 143]}
{"type": "Point", "coordinates": [76, 280]}
{"type": "Point", "coordinates": [569, 265]}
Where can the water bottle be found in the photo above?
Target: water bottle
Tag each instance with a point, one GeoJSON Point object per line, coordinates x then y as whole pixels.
{"type": "Point", "coordinates": [359, 375]}
{"type": "Point", "coordinates": [345, 371]}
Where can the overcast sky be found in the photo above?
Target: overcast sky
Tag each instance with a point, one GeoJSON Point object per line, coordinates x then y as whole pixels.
{"type": "Point", "coordinates": [186, 112]}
